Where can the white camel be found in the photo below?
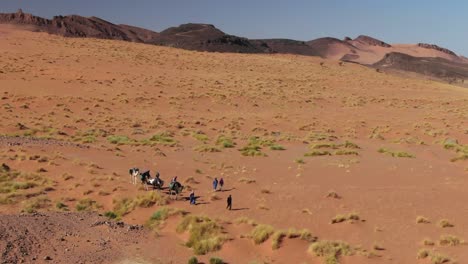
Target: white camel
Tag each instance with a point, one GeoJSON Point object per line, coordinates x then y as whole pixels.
{"type": "Point", "coordinates": [134, 173]}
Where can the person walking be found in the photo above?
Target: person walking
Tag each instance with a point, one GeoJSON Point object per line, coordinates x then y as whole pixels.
{"type": "Point", "coordinates": [229, 202]}
{"type": "Point", "coordinates": [221, 183]}
{"type": "Point", "coordinates": [192, 197]}
{"type": "Point", "coordinates": [215, 184]}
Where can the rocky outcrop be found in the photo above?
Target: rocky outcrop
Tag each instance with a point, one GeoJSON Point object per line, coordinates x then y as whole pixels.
{"type": "Point", "coordinates": [435, 47]}
{"type": "Point", "coordinates": [371, 41]}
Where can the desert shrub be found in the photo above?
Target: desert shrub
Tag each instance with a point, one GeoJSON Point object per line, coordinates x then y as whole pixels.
{"type": "Point", "coordinates": [35, 204]}
{"type": "Point", "coordinates": [397, 154]}
{"type": "Point", "coordinates": [277, 238]}
{"type": "Point", "coordinates": [126, 205]}
{"type": "Point", "coordinates": [444, 223]}
{"type": "Point", "coordinates": [163, 138]}
{"type": "Point", "coordinates": [299, 161]}
{"type": "Point", "coordinates": [261, 233]}
{"type": "Point", "coordinates": [277, 147]}
{"type": "Point", "coordinates": [303, 234]}
{"type": "Point", "coordinates": [350, 145]}
{"type": "Point", "coordinates": [342, 218]}
{"type": "Point", "coordinates": [422, 254]}
{"type": "Point", "coordinates": [207, 148]}
{"type": "Point", "coordinates": [448, 240]}
{"type": "Point", "coordinates": [119, 140]}
{"type": "Point", "coordinates": [87, 205]}
{"type": "Point", "coordinates": [346, 152]}
{"type": "Point", "coordinates": [254, 146]}
{"type": "Point", "coordinates": [193, 260]}
{"type": "Point", "coordinates": [245, 220]}
{"type": "Point", "coordinates": [315, 153]}
{"type": "Point", "coordinates": [331, 250]}
{"type": "Point", "coordinates": [158, 217]}
{"type": "Point", "coordinates": [422, 220]}
{"type": "Point", "coordinates": [246, 180]}
{"type": "Point", "coordinates": [200, 136]}
{"type": "Point", "coordinates": [428, 242]}
{"type": "Point", "coordinates": [333, 194]}
{"type": "Point", "coordinates": [225, 142]}
{"type": "Point", "coordinates": [204, 234]}
{"type": "Point", "coordinates": [150, 199]}
{"type": "Point", "coordinates": [436, 258]}
{"type": "Point", "coordinates": [324, 145]}
{"type": "Point", "coordinates": [61, 206]}
{"type": "Point", "coordinates": [216, 260]}
{"type": "Point", "coordinates": [110, 215]}
{"type": "Point", "coordinates": [339, 219]}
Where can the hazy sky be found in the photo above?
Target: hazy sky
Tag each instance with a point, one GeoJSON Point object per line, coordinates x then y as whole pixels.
{"type": "Point", "coordinates": [440, 22]}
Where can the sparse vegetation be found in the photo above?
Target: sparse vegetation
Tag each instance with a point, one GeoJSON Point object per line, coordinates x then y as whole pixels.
{"type": "Point", "coordinates": [216, 260]}
{"type": "Point", "coordinates": [246, 180]}
{"type": "Point", "coordinates": [159, 217]}
{"type": "Point", "coordinates": [422, 220]}
{"type": "Point", "coordinates": [193, 260]}
{"type": "Point", "coordinates": [207, 148]}
{"type": "Point", "coordinates": [87, 205]}
{"type": "Point", "coordinates": [245, 220]}
{"type": "Point", "coordinates": [397, 154]}
{"type": "Point", "coordinates": [277, 238]}
{"type": "Point", "coordinates": [205, 235]}
{"type": "Point", "coordinates": [342, 218]}
{"type": "Point", "coordinates": [449, 240]}
{"type": "Point", "coordinates": [444, 223]}
{"type": "Point", "coordinates": [126, 205]}
{"type": "Point", "coordinates": [35, 204]}
{"type": "Point", "coordinates": [315, 153]}
{"type": "Point", "coordinates": [261, 233]}
{"type": "Point", "coordinates": [225, 142]}
{"type": "Point", "coordinates": [330, 250]}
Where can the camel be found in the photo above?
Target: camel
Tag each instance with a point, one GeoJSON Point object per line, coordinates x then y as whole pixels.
{"type": "Point", "coordinates": [134, 173]}
{"type": "Point", "coordinates": [175, 188]}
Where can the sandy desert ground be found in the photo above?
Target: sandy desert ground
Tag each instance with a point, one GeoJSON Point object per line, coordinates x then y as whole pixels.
{"type": "Point", "coordinates": [375, 161]}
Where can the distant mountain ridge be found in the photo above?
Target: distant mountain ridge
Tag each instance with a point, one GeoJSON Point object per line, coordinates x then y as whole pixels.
{"type": "Point", "coordinates": [365, 50]}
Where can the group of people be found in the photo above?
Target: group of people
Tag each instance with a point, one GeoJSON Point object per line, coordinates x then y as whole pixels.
{"type": "Point", "coordinates": [157, 182]}
{"type": "Point", "coordinates": [216, 183]}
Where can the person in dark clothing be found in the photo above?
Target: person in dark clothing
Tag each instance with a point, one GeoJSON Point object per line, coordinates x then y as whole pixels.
{"type": "Point", "coordinates": [192, 197]}
{"type": "Point", "coordinates": [229, 202]}
{"type": "Point", "coordinates": [215, 184]}
{"type": "Point", "coordinates": [221, 183]}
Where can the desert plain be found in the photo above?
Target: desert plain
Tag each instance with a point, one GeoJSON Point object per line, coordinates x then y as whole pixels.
{"type": "Point", "coordinates": [326, 161]}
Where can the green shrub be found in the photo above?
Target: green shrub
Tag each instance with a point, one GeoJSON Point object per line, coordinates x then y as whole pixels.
{"type": "Point", "coordinates": [110, 215]}
{"type": "Point", "coordinates": [398, 154]}
{"type": "Point", "coordinates": [317, 153]}
{"type": "Point", "coordinates": [119, 140]}
{"type": "Point", "coordinates": [193, 260]}
{"type": "Point", "coordinates": [86, 205]}
{"type": "Point", "coordinates": [207, 148]}
{"type": "Point", "coordinates": [158, 217]}
{"type": "Point", "coordinates": [346, 152]}
{"type": "Point", "coordinates": [205, 235]}
{"type": "Point", "coordinates": [163, 138]}
{"type": "Point", "coordinates": [61, 206]}
{"type": "Point", "coordinates": [215, 260]}
{"type": "Point", "coordinates": [225, 142]}
{"type": "Point", "coordinates": [276, 147]}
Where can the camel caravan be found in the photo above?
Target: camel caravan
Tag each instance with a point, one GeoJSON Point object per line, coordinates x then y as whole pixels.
{"type": "Point", "coordinates": [156, 183]}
